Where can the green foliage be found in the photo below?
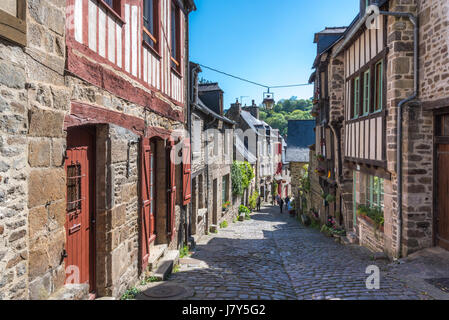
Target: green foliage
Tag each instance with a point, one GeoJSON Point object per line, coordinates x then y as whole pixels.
{"type": "Point", "coordinates": [184, 252]}
{"type": "Point", "coordinates": [285, 110]}
{"type": "Point", "coordinates": [245, 211]}
{"type": "Point", "coordinates": [330, 198]}
{"type": "Point", "coordinates": [253, 200]}
{"type": "Point", "coordinates": [130, 294]}
{"type": "Point", "coordinates": [242, 174]}
{"type": "Point", "coordinates": [374, 213]}
{"type": "Point", "coordinates": [150, 280]}
{"type": "Point", "coordinates": [224, 224]}
{"type": "Point", "coordinates": [274, 189]}
{"type": "Point", "coordinates": [176, 268]}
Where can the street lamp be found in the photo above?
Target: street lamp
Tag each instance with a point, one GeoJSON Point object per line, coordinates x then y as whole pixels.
{"type": "Point", "coordinates": [268, 100]}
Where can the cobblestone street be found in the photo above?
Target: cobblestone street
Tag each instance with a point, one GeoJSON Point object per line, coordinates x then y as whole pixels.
{"type": "Point", "coordinates": [273, 256]}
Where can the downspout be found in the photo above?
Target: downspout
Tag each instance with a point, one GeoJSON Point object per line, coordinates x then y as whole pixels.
{"type": "Point", "coordinates": [414, 20]}
{"type": "Point", "coordinates": [189, 128]}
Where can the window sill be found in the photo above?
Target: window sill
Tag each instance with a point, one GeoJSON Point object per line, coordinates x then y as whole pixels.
{"type": "Point", "coordinates": [150, 47]}
{"type": "Point", "coordinates": [13, 28]}
{"type": "Point", "coordinates": [111, 11]}
{"type": "Point", "coordinates": [176, 72]}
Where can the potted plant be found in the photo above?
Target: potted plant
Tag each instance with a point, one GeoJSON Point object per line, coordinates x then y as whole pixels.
{"type": "Point", "coordinates": [320, 158]}
{"type": "Point", "coordinates": [226, 205]}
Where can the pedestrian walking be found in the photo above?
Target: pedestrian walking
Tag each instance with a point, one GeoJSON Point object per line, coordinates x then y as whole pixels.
{"type": "Point", "coordinates": [281, 204]}
{"type": "Point", "coordinates": [287, 203]}
{"type": "Point", "coordinates": [258, 203]}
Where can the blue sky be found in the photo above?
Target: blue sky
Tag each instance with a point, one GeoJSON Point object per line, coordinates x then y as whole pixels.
{"type": "Point", "coordinates": [267, 41]}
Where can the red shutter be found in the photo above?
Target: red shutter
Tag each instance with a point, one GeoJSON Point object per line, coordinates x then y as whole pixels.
{"type": "Point", "coordinates": [172, 187]}
{"type": "Point", "coordinates": [186, 172]}
{"type": "Point", "coordinates": [146, 215]}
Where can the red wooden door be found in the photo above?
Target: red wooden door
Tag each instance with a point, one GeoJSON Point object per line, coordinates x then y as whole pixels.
{"type": "Point", "coordinates": [443, 199]}
{"type": "Point", "coordinates": [79, 225]}
{"type": "Point", "coordinates": [147, 212]}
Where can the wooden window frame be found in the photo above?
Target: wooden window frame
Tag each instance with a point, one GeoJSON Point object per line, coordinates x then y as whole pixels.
{"type": "Point", "coordinates": [116, 6]}
{"type": "Point", "coordinates": [366, 92]}
{"type": "Point", "coordinates": [155, 36]}
{"type": "Point", "coordinates": [356, 98]}
{"type": "Point", "coordinates": [14, 28]}
{"type": "Point", "coordinates": [373, 190]}
{"type": "Point", "coordinates": [175, 60]}
{"type": "Point", "coordinates": [378, 87]}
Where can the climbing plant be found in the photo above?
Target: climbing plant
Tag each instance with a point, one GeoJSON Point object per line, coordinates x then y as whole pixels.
{"type": "Point", "coordinates": [242, 174]}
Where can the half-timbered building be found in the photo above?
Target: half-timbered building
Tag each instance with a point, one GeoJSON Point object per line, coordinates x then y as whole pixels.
{"type": "Point", "coordinates": [395, 99]}
{"type": "Point", "coordinates": [106, 172]}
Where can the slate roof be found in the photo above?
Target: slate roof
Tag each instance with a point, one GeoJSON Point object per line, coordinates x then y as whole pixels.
{"type": "Point", "coordinates": [204, 87]}
{"type": "Point", "coordinates": [202, 107]}
{"type": "Point", "coordinates": [240, 147]}
{"type": "Point", "coordinates": [301, 135]}
{"type": "Point", "coordinates": [252, 121]}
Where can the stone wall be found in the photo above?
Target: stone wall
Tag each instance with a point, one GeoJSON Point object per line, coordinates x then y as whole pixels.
{"type": "Point", "coordinates": [369, 236]}
{"type": "Point", "coordinates": [13, 179]}
{"type": "Point", "coordinates": [434, 49]}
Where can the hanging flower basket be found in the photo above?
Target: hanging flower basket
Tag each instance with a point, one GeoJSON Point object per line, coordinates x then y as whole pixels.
{"type": "Point", "coordinates": [320, 158]}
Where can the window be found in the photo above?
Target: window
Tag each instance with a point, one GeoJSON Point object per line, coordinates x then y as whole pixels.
{"type": "Point", "coordinates": [74, 188]}
{"type": "Point", "coordinates": [196, 137]}
{"type": "Point", "coordinates": [225, 142]}
{"type": "Point", "coordinates": [378, 86]}
{"type": "Point", "coordinates": [375, 192]}
{"type": "Point", "coordinates": [366, 92]}
{"type": "Point", "coordinates": [12, 21]}
{"type": "Point", "coordinates": [114, 5]}
{"type": "Point", "coordinates": [175, 37]}
{"type": "Point", "coordinates": [225, 189]}
{"type": "Point", "coordinates": [151, 23]}
{"type": "Point", "coordinates": [356, 97]}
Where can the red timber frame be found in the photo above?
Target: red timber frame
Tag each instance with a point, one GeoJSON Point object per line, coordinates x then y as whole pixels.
{"type": "Point", "coordinates": [91, 67]}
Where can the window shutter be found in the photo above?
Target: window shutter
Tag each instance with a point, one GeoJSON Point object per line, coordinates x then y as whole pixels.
{"type": "Point", "coordinates": [146, 202]}
{"type": "Point", "coordinates": [186, 172]}
{"type": "Point", "coordinates": [172, 187]}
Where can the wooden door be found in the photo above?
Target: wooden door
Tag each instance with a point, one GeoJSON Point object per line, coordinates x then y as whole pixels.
{"type": "Point", "coordinates": [147, 221]}
{"type": "Point", "coordinates": [443, 196]}
{"type": "Point", "coordinates": [79, 225]}
{"type": "Point", "coordinates": [171, 190]}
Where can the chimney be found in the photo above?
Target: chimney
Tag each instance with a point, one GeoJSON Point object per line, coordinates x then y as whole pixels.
{"type": "Point", "coordinates": [235, 111]}
{"type": "Point", "coordinates": [253, 109]}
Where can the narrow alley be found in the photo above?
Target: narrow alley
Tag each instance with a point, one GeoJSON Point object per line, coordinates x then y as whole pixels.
{"type": "Point", "coordinates": [273, 256]}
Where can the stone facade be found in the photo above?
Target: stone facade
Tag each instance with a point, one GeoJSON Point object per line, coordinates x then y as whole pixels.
{"type": "Point", "coordinates": [38, 101]}
{"type": "Point", "coordinates": [418, 210]}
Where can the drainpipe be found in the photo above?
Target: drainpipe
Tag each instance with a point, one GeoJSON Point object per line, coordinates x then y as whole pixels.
{"type": "Point", "coordinates": [189, 128]}
{"type": "Point", "coordinates": [414, 20]}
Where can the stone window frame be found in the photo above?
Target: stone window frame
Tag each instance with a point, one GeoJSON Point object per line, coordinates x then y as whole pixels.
{"type": "Point", "coordinates": [14, 28]}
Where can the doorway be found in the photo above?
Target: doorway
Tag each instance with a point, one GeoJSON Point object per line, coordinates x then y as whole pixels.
{"type": "Point", "coordinates": [80, 208]}
{"type": "Point", "coordinates": [442, 181]}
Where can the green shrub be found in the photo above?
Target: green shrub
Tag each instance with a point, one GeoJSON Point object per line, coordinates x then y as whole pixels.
{"type": "Point", "coordinates": [242, 174]}
{"type": "Point", "coordinates": [130, 294]}
{"type": "Point", "coordinates": [224, 224]}
{"type": "Point", "coordinates": [184, 252]}
{"type": "Point", "coordinates": [253, 200]}
{"type": "Point", "coordinates": [245, 211]}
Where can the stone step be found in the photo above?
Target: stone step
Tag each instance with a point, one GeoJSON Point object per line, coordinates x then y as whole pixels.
{"type": "Point", "coordinates": [166, 264]}
{"type": "Point", "coordinates": [156, 253]}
